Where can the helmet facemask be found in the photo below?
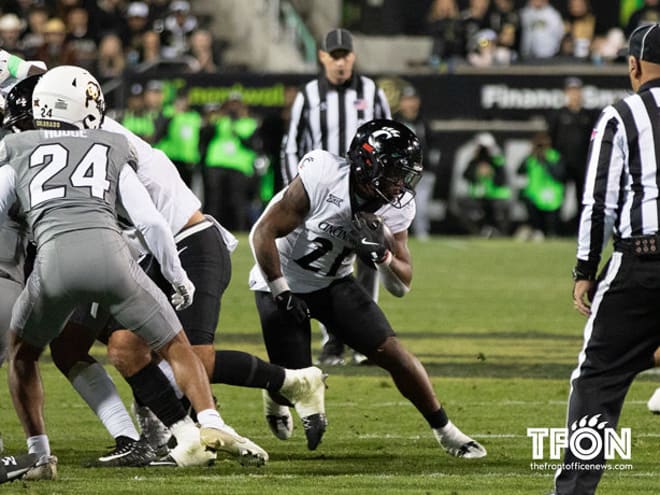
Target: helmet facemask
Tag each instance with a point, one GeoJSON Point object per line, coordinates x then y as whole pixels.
{"type": "Point", "coordinates": [386, 159]}
{"type": "Point", "coordinates": [18, 111]}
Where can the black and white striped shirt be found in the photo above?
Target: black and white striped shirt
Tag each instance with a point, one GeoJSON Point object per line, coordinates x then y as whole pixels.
{"type": "Point", "coordinates": [623, 175]}
{"type": "Point", "coordinates": [326, 117]}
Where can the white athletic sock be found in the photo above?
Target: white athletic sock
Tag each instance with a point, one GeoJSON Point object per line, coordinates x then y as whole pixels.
{"type": "Point", "coordinates": [210, 418]}
{"type": "Point", "coordinates": [39, 445]}
{"type": "Point", "coordinates": [96, 388]}
{"type": "Point", "coordinates": [169, 373]}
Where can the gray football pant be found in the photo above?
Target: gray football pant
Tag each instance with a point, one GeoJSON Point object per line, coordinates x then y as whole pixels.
{"type": "Point", "coordinates": [84, 266]}
{"type": "Point", "coordinates": [9, 292]}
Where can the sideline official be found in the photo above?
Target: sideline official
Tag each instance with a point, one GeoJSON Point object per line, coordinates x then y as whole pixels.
{"type": "Point", "coordinates": [620, 201]}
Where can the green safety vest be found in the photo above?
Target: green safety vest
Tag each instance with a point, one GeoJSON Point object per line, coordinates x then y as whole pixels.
{"type": "Point", "coordinates": [267, 186]}
{"type": "Point", "coordinates": [542, 189]}
{"type": "Point", "coordinates": [486, 187]}
{"type": "Point", "coordinates": [225, 148]}
{"type": "Point", "coordinates": [181, 142]}
{"type": "Point", "coordinates": [141, 124]}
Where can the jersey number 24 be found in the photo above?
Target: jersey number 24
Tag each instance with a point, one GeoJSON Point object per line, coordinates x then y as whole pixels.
{"type": "Point", "coordinates": [90, 172]}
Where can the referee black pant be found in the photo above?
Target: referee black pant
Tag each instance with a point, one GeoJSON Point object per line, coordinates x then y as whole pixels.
{"type": "Point", "coordinates": [620, 338]}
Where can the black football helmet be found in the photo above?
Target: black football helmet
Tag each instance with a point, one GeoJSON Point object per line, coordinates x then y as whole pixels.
{"type": "Point", "coordinates": [386, 151]}
{"type": "Point", "coordinates": [18, 107]}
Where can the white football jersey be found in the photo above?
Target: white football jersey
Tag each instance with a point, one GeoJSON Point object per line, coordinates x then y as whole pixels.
{"type": "Point", "coordinates": [172, 197]}
{"type": "Point", "coordinates": [319, 250]}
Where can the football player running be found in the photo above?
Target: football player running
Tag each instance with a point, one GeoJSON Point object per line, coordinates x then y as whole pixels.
{"type": "Point", "coordinates": [305, 244]}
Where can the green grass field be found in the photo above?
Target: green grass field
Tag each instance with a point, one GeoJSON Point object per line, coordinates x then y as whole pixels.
{"type": "Point", "coordinates": [492, 320]}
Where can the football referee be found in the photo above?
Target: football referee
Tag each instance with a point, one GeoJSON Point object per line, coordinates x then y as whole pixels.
{"type": "Point", "coordinates": [325, 115]}
{"type": "Point", "coordinates": [620, 200]}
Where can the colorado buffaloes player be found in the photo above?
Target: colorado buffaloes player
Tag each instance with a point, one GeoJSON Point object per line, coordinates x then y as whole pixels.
{"type": "Point", "coordinates": [67, 178]}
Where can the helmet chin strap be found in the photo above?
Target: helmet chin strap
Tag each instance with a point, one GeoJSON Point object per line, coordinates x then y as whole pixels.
{"type": "Point", "coordinates": [359, 202]}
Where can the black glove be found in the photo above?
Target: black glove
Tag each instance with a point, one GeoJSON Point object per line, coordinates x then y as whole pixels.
{"type": "Point", "coordinates": [367, 238]}
{"type": "Point", "coordinates": [293, 305]}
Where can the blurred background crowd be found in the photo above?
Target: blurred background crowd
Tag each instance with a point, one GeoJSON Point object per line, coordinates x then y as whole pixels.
{"type": "Point", "coordinates": [152, 55]}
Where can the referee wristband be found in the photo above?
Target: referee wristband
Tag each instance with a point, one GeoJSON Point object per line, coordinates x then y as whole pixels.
{"type": "Point", "coordinates": [278, 286]}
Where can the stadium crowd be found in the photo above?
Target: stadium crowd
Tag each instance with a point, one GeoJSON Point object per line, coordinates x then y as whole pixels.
{"type": "Point", "coordinates": [109, 36]}
{"type": "Point", "coordinates": [503, 32]}
{"type": "Point", "coordinates": [229, 153]}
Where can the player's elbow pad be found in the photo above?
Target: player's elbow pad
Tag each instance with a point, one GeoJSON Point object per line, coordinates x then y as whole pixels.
{"type": "Point", "coordinates": [392, 282]}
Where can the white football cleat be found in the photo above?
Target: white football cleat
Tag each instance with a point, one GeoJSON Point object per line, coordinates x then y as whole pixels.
{"type": "Point", "coordinates": [187, 456]}
{"type": "Point", "coordinates": [189, 450]}
{"type": "Point", "coordinates": [227, 440]}
{"type": "Point", "coordinates": [305, 389]}
{"type": "Point", "coordinates": [457, 443]}
{"type": "Point", "coordinates": [44, 470]}
{"type": "Point", "coordinates": [654, 402]}
{"type": "Point", "coordinates": [278, 417]}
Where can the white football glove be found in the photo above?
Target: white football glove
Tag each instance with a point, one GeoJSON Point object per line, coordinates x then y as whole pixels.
{"type": "Point", "coordinates": [4, 65]}
{"type": "Point", "coordinates": [183, 294]}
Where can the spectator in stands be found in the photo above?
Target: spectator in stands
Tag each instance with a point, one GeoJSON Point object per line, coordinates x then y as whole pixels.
{"type": "Point", "coordinates": [609, 48]}
{"type": "Point", "coordinates": [446, 30]}
{"type": "Point", "coordinates": [144, 110]}
{"type": "Point", "coordinates": [570, 132]}
{"type": "Point", "coordinates": [649, 13]}
{"type": "Point", "coordinates": [204, 50]}
{"type": "Point", "coordinates": [486, 52]}
{"type": "Point", "coordinates": [543, 194]}
{"type": "Point", "coordinates": [229, 161]}
{"type": "Point", "coordinates": [178, 136]}
{"type": "Point", "coordinates": [63, 7]}
{"type": "Point", "coordinates": [107, 15]}
{"type": "Point", "coordinates": [154, 97]}
{"type": "Point", "coordinates": [150, 48]}
{"type": "Point", "coordinates": [158, 10]}
{"type": "Point", "coordinates": [507, 41]}
{"type": "Point", "coordinates": [409, 113]}
{"type": "Point", "coordinates": [33, 37]}
{"type": "Point", "coordinates": [504, 19]}
{"type": "Point", "coordinates": [55, 50]}
{"type": "Point", "coordinates": [137, 23]}
{"type": "Point", "coordinates": [475, 18]}
{"type": "Point", "coordinates": [132, 117]}
{"type": "Point", "coordinates": [542, 29]}
{"type": "Point", "coordinates": [80, 37]}
{"type": "Point", "coordinates": [581, 27]}
{"type": "Point", "coordinates": [177, 28]}
{"type": "Point", "coordinates": [111, 61]}
{"type": "Point", "coordinates": [487, 214]}
{"type": "Point", "coordinates": [11, 28]}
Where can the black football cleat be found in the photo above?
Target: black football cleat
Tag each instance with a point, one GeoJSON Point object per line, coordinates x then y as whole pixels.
{"type": "Point", "coordinates": [14, 466]}
{"type": "Point", "coordinates": [314, 426]}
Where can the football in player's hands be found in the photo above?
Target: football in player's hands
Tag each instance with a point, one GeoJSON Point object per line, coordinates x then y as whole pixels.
{"type": "Point", "coordinates": [388, 238]}
{"type": "Point", "coordinates": [369, 237]}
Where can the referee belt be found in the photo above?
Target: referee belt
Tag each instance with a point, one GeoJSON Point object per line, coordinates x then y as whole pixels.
{"type": "Point", "coordinates": [643, 246]}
